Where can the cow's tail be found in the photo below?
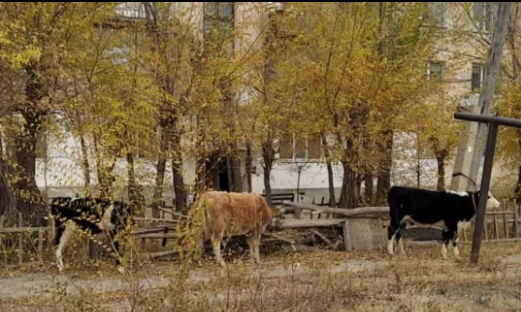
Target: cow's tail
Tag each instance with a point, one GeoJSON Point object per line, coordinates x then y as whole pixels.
{"type": "Point", "coordinates": [394, 201]}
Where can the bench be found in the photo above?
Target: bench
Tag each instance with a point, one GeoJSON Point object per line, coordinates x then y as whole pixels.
{"type": "Point", "coordinates": [278, 198]}
{"type": "Point", "coordinates": [322, 203]}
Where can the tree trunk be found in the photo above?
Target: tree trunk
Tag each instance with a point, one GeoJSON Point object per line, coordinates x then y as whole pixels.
{"type": "Point", "coordinates": [369, 188]}
{"type": "Point", "coordinates": [179, 187]}
{"type": "Point", "coordinates": [229, 173]}
{"type": "Point", "coordinates": [440, 158]}
{"type": "Point", "coordinates": [30, 201]}
{"type": "Point", "coordinates": [85, 165]}
{"type": "Point", "coordinates": [358, 198]}
{"type": "Point", "coordinates": [7, 198]}
{"type": "Point", "coordinates": [201, 156]}
{"type": "Point", "coordinates": [181, 195]}
{"type": "Point", "coordinates": [135, 194]}
{"type": "Point", "coordinates": [441, 155]}
{"type": "Point", "coordinates": [94, 248]}
{"type": "Point", "coordinates": [248, 164]}
{"type": "Point", "coordinates": [160, 173]}
{"type": "Point", "coordinates": [384, 174]}
{"type": "Point", "coordinates": [267, 182]}
{"type": "Point", "coordinates": [201, 175]}
{"type": "Point", "coordinates": [331, 185]}
{"type": "Point", "coordinates": [298, 183]}
{"type": "Point", "coordinates": [105, 180]}
{"type": "Point", "coordinates": [348, 195]}
{"type": "Point", "coordinates": [268, 155]}
{"type": "Point", "coordinates": [236, 173]}
{"type": "Point", "coordinates": [517, 195]}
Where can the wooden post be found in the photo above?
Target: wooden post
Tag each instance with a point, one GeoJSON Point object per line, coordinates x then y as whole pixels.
{"type": "Point", "coordinates": [164, 239]}
{"type": "Point", "coordinates": [516, 220]}
{"type": "Point", "coordinates": [481, 219]}
{"type": "Point", "coordinates": [485, 228]}
{"type": "Point", "coordinates": [470, 162]}
{"type": "Point", "coordinates": [40, 246]}
{"type": "Point", "coordinates": [20, 240]}
{"type": "Point", "coordinates": [2, 221]}
{"type": "Point", "coordinates": [347, 239]}
{"type": "Point", "coordinates": [94, 249]}
{"type": "Point", "coordinates": [505, 224]}
{"type": "Point", "coordinates": [298, 213]}
{"type": "Point", "coordinates": [496, 230]}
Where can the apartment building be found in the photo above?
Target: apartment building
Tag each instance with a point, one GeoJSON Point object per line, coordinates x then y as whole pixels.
{"type": "Point", "coordinates": [459, 66]}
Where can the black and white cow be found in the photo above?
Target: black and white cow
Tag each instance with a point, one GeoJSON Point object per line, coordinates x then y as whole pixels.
{"type": "Point", "coordinates": [451, 210]}
{"type": "Point", "coordinates": [90, 215]}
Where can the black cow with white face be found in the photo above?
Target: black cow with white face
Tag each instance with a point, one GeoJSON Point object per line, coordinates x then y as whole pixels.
{"type": "Point", "coordinates": [90, 215]}
{"type": "Point", "coordinates": [451, 210]}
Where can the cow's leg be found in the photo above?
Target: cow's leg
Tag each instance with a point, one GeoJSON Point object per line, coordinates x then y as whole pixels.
{"type": "Point", "coordinates": [392, 231]}
{"type": "Point", "coordinates": [216, 245]}
{"type": "Point", "coordinates": [63, 234]}
{"type": "Point", "coordinates": [251, 244]}
{"type": "Point", "coordinates": [399, 238]}
{"type": "Point", "coordinates": [256, 238]}
{"type": "Point", "coordinates": [455, 249]}
{"type": "Point", "coordinates": [448, 235]}
{"type": "Point", "coordinates": [199, 247]}
{"type": "Point", "coordinates": [115, 244]}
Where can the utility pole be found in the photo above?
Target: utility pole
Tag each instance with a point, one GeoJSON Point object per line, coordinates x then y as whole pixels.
{"type": "Point", "coordinates": [472, 139]}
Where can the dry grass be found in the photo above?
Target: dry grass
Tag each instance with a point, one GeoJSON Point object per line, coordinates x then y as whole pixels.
{"type": "Point", "coordinates": [316, 281]}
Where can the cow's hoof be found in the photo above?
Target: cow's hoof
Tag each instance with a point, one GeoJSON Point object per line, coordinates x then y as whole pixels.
{"type": "Point", "coordinates": [222, 263]}
{"type": "Point", "coordinates": [121, 269]}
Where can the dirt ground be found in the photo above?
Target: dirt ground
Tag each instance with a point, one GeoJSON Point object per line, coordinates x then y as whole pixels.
{"type": "Point", "coordinates": [318, 280]}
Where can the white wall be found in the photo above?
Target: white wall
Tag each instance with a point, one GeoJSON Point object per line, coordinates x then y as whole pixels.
{"type": "Point", "coordinates": [285, 176]}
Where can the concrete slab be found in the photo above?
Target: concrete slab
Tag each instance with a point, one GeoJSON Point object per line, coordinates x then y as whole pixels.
{"type": "Point", "coordinates": [365, 234]}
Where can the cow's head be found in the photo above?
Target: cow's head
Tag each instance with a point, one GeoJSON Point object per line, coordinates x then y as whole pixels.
{"type": "Point", "coordinates": [492, 202]}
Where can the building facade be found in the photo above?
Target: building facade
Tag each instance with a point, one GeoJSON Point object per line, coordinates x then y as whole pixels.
{"type": "Point", "coordinates": [460, 67]}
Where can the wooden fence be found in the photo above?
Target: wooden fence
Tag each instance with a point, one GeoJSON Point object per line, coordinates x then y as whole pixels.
{"type": "Point", "coordinates": [18, 237]}
{"type": "Point", "coordinates": [20, 231]}
{"type": "Point", "coordinates": [501, 226]}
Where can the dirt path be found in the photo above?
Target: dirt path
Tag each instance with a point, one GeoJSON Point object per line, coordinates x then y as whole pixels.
{"type": "Point", "coordinates": [38, 284]}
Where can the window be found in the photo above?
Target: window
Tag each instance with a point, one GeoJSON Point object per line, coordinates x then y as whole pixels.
{"type": "Point", "coordinates": [314, 144]}
{"type": "Point", "coordinates": [290, 148]}
{"type": "Point", "coordinates": [300, 149]}
{"type": "Point", "coordinates": [478, 73]}
{"type": "Point", "coordinates": [218, 25]}
{"type": "Point", "coordinates": [484, 15]}
{"type": "Point", "coordinates": [218, 15]}
{"type": "Point", "coordinates": [286, 148]}
{"type": "Point", "coordinates": [435, 14]}
{"type": "Point", "coordinates": [435, 70]}
{"type": "Point", "coordinates": [425, 151]}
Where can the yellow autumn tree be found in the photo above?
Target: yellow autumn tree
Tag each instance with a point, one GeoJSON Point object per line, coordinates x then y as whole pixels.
{"type": "Point", "coordinates": [36, 39]}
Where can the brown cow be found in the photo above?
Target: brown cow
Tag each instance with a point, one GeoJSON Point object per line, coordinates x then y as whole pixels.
{"type": "Point", "coordinates": [233, 214]}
